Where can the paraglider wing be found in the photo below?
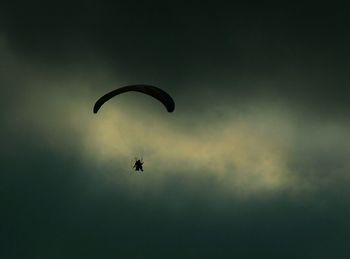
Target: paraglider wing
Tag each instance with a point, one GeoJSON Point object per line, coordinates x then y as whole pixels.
{"type": "Point", "coordinates": [153, 91]}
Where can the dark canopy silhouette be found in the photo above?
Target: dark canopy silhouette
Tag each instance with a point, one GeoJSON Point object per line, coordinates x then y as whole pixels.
{"type": "Point", "coordinates": [153, 91]}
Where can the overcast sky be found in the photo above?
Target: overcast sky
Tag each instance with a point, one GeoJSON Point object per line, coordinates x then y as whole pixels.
{"type": "Point", "coordinates": [253, 163]}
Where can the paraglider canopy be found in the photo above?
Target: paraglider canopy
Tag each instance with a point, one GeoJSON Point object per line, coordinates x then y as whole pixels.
{"type": "Point", "coordinates": [150, 90]}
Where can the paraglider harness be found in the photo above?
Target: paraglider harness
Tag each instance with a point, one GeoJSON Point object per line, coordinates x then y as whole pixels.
{"type": "Point", "coordinates": [138, 164]}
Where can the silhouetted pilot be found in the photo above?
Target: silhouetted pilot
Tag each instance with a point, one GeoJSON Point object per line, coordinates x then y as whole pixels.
{"type": "Point", "coordinates": [138, 165]}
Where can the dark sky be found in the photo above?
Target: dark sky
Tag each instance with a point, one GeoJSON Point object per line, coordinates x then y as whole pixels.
{"type": "Point", "coordinates": [253, 163]}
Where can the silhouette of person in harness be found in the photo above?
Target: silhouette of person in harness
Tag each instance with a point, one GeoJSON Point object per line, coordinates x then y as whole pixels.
{"type": "Point", "coordinates": [138, 165]}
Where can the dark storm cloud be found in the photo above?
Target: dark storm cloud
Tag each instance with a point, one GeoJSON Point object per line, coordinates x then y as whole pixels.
{"type": "Point", "coordinates": [54, 209]}
{"type": "Point", "coordinates": [294, 53]}
{"type": "Point", "coordinates": [259, 166]}
{"type": "Point", "coordinates": [60, 204]}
